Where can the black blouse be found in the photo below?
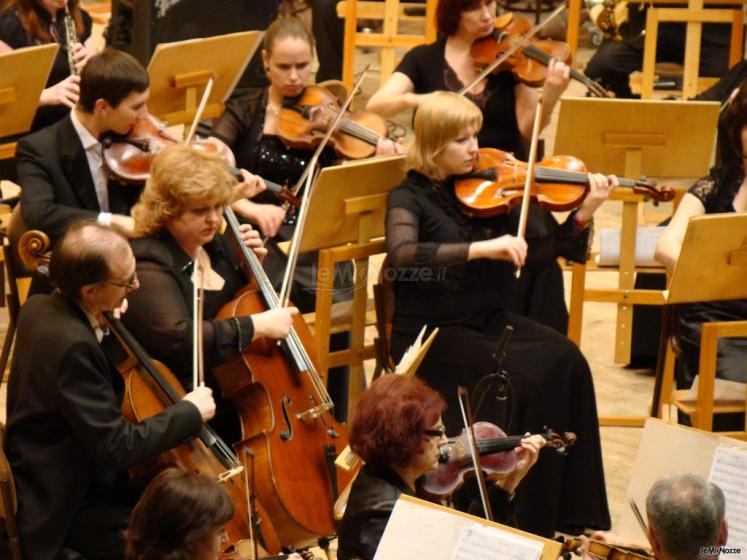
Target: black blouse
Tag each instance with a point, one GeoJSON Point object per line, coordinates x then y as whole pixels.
{"type": "Point", "coordinates": [241, 128]}
{"type": "Point", "coordinates": [428, 238]}
{"type": "Point", "coordinates": [14, 35]}
{"type": "Point", "coordinates": [428, 70]}
{"type": "Point", "coordinates": [160, 312]}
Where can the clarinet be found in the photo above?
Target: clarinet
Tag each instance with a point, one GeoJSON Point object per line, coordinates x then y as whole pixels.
{"type": "Point", "coordinates": [71, 37]}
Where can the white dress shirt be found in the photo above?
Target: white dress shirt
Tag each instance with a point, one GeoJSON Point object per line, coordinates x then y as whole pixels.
{"type": "Point", "coordinates": [95, 157]}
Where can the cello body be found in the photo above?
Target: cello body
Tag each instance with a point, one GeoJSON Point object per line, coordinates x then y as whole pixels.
{"type": "Point", "coordinates": [286, 425]}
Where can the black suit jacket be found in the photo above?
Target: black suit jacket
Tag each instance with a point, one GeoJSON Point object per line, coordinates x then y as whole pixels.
{"type": "Point", "coordinates": [56, 183]}
{"type": "Point", "coordinates": [65, 429]}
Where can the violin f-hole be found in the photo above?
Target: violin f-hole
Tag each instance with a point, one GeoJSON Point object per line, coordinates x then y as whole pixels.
{"type": "Point", "coordinates": [287, 434]}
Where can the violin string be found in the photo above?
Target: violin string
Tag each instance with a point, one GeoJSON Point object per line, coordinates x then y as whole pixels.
{"type": "Point", "coordinates": [356, 129]}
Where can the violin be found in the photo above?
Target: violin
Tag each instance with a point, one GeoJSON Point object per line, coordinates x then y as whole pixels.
{"type": "Point", "coordinates": [560, 183]}
{"type": "Point", "coordinates": [304, 120]}
{"type": "Point", "coordinates": [285, 414]}
{"type": "Point", "coordinates": [150, 388]}
{"type": "Point", "coordinates": [603, 551]}
{"type": "Point", "coordinates": [497, 456]}
{"type": "Point", "coordinates": [528, 63]}
{"type": "Point", "coordinates": [128, 157]}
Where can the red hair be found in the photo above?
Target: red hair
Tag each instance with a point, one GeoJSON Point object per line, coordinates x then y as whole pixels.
{"type": "Point", "coordinates": [449, 12]}
{"type": "Point", "coordinates": [386, 427]}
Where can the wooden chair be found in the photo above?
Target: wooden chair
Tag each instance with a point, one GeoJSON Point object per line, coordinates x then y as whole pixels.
{"type": "Point", "coordinates": [18, 271]}
{"type": "Point", "coordinates": [392, 12]}
{"type": "Point", "coordinates": [694, 16]}
{"type": "Point", "coordinates": [8, 501]}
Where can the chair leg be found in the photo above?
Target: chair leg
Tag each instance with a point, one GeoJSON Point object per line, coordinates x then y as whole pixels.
{"type": "Point", "coordinates": [10, 520]}
{"type": "Point", "coordinates": [10, 335]}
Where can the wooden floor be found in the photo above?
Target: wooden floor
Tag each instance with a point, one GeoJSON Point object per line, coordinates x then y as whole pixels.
{"type": "Point", "coordinates": [619, 391]}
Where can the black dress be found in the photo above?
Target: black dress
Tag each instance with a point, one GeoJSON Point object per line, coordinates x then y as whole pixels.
{"type": "Point", "coordinates": [428, 240]}
{"type": "Point", "coordinates": [539, 293]}
{"type": "Point", "coordinates": [14, 35]}
{"type": "Point", "coordinates": [716, 192]}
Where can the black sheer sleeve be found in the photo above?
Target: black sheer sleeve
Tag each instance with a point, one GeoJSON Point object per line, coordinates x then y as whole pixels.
{"type": "Point", "coordinates": [233, 124]}
{"type": "Point", "coordinates": [703, 189]}
{"type": "Point", "coordinates": [161, 319]}
{"type": "Point", "coordinates": [404, 249]}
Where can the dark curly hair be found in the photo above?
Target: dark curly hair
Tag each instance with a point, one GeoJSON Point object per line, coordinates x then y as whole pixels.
{"type": "Point", "coordinates": [449, 12]}
{"type": "Point", "coordinates": [387, 422]}
{"type": "Point", "coordinates": [176, 509]}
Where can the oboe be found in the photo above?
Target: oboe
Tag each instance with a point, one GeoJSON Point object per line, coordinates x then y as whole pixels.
{"type": "Point", "coordinates": [71, 37]}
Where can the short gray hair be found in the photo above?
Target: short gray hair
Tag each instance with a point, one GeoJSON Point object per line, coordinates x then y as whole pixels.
{"type": "Point", "coordinates": [686, 513]}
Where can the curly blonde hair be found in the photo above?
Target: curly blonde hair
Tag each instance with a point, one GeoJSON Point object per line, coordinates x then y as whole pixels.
{"type": "Point", "coordinates": [440, 118]}
{"type": "Point", "coordinates": [180, 175]}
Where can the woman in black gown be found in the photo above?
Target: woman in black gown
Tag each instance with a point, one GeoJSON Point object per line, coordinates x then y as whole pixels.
{"type": "Point", "coordinates": [508, 108]}
{"type": "Point", "coordinates": [456, 272]}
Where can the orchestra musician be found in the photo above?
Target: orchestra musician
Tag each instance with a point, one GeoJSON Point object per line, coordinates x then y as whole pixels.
{"type": "Point", "coordinates": [67, 438]}
{"type": "Point", "coordinates": [508, 108]}
{"type": "Point", "coordinates": [685, 518]}
{"type": "Point", "coordinates": [177, 223]}
{"type": "Point", "coordinates": [397, 430]}
{"type": "Point", "coordinates": [25, 23]}
{"type": "Point", "coordinates": [60, 168]}
{"type": "Point", "coordinates": [249, 127]}
{"type": "Point", "coordinates": [724, 190]}
{"type": "Point", "coordinates": [456, 272]}
{"type": "Point", "coordinates": [180, 516]}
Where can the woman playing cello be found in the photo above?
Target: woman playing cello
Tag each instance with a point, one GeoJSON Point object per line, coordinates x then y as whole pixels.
{"type": "Point", "coordinates": [455, 272]}
{"type": "Point", "coordinates": [177, 217]}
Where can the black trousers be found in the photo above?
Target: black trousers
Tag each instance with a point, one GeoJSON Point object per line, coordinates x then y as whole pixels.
{"type": "Point", "coordinates": [613, 63]}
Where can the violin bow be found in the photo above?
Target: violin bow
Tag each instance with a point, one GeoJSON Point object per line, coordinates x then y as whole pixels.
{"type": "Point", "coordinates": [469, 429]}
{"type": "Point", "coordinates": [330, 131]}
{"type": "Point", "coordinates": [200, 110]}
{"type": "Point", "coordinates": [198, 294]}
{"type": "Point", "coordinates": [515, 47]}
{"type": "Point", "coordinates": [309, 176]}
{"type": "Point", "coordinates": [530, 172]}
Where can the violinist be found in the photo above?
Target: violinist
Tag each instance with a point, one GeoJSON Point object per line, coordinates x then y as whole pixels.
{"type": "Point", "coordinates": [249, 126]}
{"type": "Point", "coordinates": [180, 516]}
{"type": "Point", "coordinates": [177, 223]}
{"type": "Point", "coordinates": [723, 191]}
{"type": "Point", "coordinates": [25, 23]}
{"type": "Point", "coordinates": [67, 438]}
{"type": "Point", "coordinates": [508, 108]}
{"type": "Point", "coordinates": [685, 517]}
{"type": "Point", "coordinates": [60, 168]}
{"type": "Point", "coordinates": [456, 272]}
{"type": "Point", "coordinates": [397, 430]}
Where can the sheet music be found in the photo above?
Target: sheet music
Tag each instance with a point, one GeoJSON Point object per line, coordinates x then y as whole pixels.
{"type": "Point", "coordinates": [728, 473]}
{"type": "Point", "coordinates": [477, 542]}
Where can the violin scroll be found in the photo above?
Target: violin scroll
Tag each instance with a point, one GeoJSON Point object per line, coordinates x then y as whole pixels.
{"type": "Point", "coordinates": [651, 191]}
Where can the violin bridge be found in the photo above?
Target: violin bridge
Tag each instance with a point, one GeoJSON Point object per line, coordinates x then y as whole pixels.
{"type": "Point", "coordinates": [225, 476]}
{"type": "Point", "coordinates": [314, 412]}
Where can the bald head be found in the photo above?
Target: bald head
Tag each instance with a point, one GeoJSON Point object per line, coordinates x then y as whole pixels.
{"type": "Point", "coordinates": [686, 513]}
{"type": "Point", "coordinates": [85, 255]}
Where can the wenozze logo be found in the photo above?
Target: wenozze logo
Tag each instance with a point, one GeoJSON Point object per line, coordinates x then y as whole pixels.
{"type": "Point", "coordinates": [716, 550]}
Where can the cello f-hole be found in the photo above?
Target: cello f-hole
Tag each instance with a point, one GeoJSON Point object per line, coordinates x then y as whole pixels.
{"type": "Point", "coordinates": [285, 435]}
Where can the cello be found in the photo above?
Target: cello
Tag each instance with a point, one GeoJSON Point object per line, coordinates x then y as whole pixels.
{"type": "Point", "coordinates": [149, 388]}
{"type": "Point", "coordinates": [285, 414]}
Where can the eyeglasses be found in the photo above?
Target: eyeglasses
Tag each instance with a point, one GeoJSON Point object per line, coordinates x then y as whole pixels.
{"type": "Point", "coordinates": [435, 432]}
{"type": "Point", "coordinates": [130, 285]}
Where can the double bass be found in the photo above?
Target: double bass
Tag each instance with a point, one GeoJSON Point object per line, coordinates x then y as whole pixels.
{"type": "Point", "coordinates": [285, 414]}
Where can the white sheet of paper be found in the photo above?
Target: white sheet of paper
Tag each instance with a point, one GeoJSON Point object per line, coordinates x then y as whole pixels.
{"type": "Point", "coordinates": [438, 535]}
{"type": "Point", "coordinates": [728, 473]}
{"type": "Point", "coordinates": [477, 542]}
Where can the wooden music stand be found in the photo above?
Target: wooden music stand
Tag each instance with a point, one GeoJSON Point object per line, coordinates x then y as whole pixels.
{"type": "Point", "coordinates": [23, 75]}
{"type": "Point", "coordinates": [712, 266]}
{"type": "Point", "coordinates": [180, 71]}
{"type": "Point", "coordinates": [630, 138]}
{"type": "Point", "coordinates": [421, 529]}
{"type": "Point", "coordinates": [346, 222]}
